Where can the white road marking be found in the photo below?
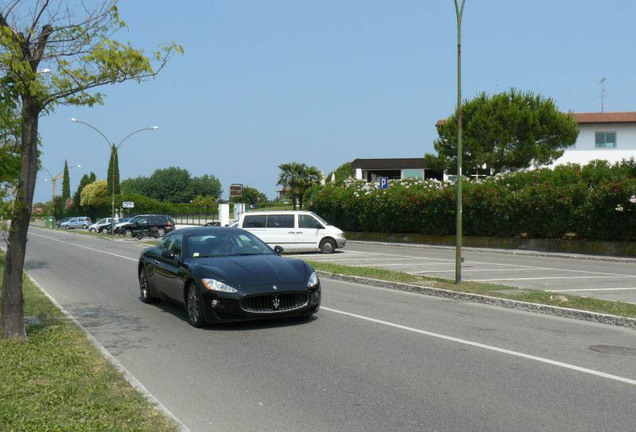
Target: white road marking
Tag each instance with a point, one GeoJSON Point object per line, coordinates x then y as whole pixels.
{"type": "Point", "coordinates": [596, 289]}
{"type": "Point", "coordinates": [86, 247]}
{"type": "Point", "coordinates": [554, 277]}
{"type": "Point", "coordinates": [464, 269]}
{"type": "Point", "coordinates": [490, 348]}
{"type": "Point", "coordinates": [509, 265]}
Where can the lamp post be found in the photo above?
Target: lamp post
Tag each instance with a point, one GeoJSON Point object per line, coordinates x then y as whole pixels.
{"type": "Point", "coordinates": [55, 178]}
{"type": "Point", "coordinates": [459, 12]}
{"type": "Point", "coordinates": [114, 148]}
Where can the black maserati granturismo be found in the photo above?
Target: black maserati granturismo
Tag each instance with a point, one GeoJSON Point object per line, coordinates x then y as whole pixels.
{"type": "Point", "coordinates": [222, 274]}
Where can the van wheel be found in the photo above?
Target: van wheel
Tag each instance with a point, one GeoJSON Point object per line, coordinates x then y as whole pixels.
{"type": "Point", "coordinates": [327, 246]}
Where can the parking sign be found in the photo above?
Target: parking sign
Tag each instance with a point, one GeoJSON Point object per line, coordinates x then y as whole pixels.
{"type": "Point", "coordinates": [384, 182]}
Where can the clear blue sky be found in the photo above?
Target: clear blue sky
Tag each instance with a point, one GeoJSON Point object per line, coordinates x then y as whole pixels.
{"type": "Point", "coordinates": [267, 82]}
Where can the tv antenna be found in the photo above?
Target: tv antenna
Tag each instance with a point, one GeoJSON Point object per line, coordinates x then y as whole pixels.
{"type": "Point", "coordinates": [602, 83]}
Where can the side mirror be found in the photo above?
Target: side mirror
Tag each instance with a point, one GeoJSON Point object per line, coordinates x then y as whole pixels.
{"type": "Point", "coordinates": [167, 254]}
{"type": "Point", "coordinates": [278, 249]}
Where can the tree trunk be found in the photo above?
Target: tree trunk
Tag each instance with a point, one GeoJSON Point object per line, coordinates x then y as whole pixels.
{"type": "Point", "coordinates": [12, 304]}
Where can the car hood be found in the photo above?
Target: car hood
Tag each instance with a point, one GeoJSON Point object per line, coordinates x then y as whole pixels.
{"type": "Point", "coordinates": [252, 270]}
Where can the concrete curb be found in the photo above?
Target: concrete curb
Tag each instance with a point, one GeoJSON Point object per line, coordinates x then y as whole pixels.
{"type": "Point", "coordinates": [500, 251]}
{"type": "Point", "coordinates": [477, 298]}
{"type": "Point", "coordinates": [129, 377]}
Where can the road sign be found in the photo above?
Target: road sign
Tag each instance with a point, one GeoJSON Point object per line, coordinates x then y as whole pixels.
{"type": "Point", "coordinates": [236, 190]}
{"type": "Point", "coordinates": [384, 182]}
{"type": "Point", "coordinates": [127, 204]}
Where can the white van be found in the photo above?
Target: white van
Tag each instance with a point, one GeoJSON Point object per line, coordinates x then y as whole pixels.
{"type": "Point", "coordinates": [293, 230]}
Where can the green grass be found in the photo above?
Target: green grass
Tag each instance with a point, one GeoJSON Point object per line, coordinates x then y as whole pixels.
{"type": "Point", "coordinates": [501, 291]}
{"type": "Point", "coordinates": [58, 381]}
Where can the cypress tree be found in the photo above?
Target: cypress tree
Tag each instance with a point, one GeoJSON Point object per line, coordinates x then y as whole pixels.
{"type": "Point", "coordinates": [66, 184]}
{"type": "Point", "coordinates": [109, 173]}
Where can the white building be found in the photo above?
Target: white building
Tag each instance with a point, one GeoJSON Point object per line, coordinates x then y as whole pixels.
{"type": "Point", "coordinates": [606, 136]}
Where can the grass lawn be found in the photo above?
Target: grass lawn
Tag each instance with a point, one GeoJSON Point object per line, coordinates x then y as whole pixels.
{"type": "Point", "coordinates": [58, 381]}
{"type": "Point", "coordinates": [501, 291]}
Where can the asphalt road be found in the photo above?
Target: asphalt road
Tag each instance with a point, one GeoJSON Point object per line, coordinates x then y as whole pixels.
{"type": "Point", "coordinates": [584, 276]}
{"type": "Point", "coordinates": [371, 359]}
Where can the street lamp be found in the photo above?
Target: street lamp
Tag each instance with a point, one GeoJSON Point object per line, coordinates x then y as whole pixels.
{"type": "Point", "coordinates": [114, 149]}
{"type": "Point", "coordinates": [459, 11]}
{"type": "Point", "coordinates": [55, 178]}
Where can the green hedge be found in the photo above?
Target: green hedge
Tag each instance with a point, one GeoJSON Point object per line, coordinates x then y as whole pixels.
{"type": "Point", "coordinates": [594, 202]}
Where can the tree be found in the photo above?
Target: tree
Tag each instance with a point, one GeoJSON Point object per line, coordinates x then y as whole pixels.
{"type": "Point", "coordinates": [66, 183]}
{"type": "Point", "coordinates": [207, 185]}
{"type": "Point", "coordinates": [113, 176]}
{"type": "Point", "coordinates": [341, 173]}
{"type": "Point", "coordinates": [296, 178]}
{"type": "Point", "coordinates": [506, 132]}
{"type": "Point", "coordinates": [137, 186]}
{"type": "Point", "coordinates": [172, 185]}
{"type": "Point", "coordinates": [73, 42]}
{"type": "Point", "coordinates": [95, 194]}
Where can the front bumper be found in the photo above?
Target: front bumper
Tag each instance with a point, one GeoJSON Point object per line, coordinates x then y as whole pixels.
{"type": "Point", "coordinates": [224, 307]}
{"type": "Point", "coordinates": [341, 241]}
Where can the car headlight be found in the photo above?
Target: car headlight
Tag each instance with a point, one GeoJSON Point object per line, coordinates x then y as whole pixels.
{"type": "Point", "coordinates": [313, 280]}
{"type": "Point", "coordinates": [215, 285]}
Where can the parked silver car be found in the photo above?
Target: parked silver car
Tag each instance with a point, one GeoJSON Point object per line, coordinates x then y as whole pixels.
{"type": "Point", "coordinates": [77, 222]}
{"type": "Point", "coordinates": [102, 225]}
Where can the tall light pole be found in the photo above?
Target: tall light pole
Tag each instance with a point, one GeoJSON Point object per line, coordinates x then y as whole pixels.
{"type": "Point", "coordinates": [114, 148]}
{"type": "Point", "coordinates": [55, 178]}
{"type": "Point", "coordinates": [459, 11]}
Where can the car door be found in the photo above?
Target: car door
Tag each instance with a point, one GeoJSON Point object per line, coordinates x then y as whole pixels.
{"type": "Point", "coordinates": [281, 231]}
{"type": "Point", "coordinates": [167, 274]}
{"type": "Point", "coordinates": [309, 232]}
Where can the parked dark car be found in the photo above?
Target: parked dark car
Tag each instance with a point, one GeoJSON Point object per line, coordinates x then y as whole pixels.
{"type": "Point", "coordinates": [222, 274]}
{"type": "Point", "coordinates": [147, 225]}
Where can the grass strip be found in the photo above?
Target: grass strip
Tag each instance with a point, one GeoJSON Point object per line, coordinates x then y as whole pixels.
{"type": "Point", "coordinates": [59, 381]}
{"type": "Point", "coordinates": [589, 304]}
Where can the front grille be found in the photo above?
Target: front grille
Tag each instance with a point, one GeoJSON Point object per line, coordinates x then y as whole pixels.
{"type": "Point", "coordinates": [272, 303]}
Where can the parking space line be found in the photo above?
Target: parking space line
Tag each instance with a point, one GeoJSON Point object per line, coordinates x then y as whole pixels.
{"type": "Point", "coordinates": [515, 265]}
{"type": "Point", "coordinates": [553, 277]}
{"type": "Point", "coordinates": [473, 270]}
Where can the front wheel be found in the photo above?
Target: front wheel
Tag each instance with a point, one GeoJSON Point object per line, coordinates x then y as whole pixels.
{"type": "Point", "coordinates": [127, 232]}
{"type": "Point", "coordinates": [104, 231]}
{"type": "Point", "coordinates": [327, 246]}
{"type": "Point", "coordinates": [92, 230]}
{"type": "Point", "coordinates": [144, 288]}
{"type": "Point", "coordinates": [194, 306]}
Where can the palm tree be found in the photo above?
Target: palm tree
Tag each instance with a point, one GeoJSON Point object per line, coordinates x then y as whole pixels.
{"type": "Point", "coordinates": [296, 178]}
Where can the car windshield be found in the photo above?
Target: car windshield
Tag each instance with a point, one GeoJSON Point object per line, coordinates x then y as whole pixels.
{"type": "Point", "coordinates": [225, 243]}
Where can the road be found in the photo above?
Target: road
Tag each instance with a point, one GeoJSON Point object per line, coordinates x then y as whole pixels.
{"type": "Point", "coordinates": [583, 276]}
{"type": "Point", "coordinates": [371, 359]}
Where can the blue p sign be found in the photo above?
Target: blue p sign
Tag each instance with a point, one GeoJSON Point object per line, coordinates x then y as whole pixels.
{"type": "Point", "coordinates": [384, 182]}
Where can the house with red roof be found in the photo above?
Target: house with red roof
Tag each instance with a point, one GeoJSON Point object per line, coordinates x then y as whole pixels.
{"type": "Point", "coordinates": [609, 136]}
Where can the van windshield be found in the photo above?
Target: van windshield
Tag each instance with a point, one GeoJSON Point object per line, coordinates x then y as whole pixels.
{"type": "Point", "coordinates": [321, 220]}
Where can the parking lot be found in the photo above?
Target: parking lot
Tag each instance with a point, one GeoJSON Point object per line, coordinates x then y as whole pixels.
{"type": "Point", "coordinates": [607, 278]}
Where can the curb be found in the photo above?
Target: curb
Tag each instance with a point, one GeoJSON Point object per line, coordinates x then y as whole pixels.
{"type": "Point", "coordinates": [494, 301]}
{"type": "Point", "coordinates": [129, 377]}
{"type": "Point", "coordinates": [500, 251]}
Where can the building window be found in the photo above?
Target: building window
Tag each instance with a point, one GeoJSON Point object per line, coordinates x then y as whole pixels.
{"type": "Point", "coordinates": [409, 173]}
{"type": "Point", "coordinates": [605, 139]}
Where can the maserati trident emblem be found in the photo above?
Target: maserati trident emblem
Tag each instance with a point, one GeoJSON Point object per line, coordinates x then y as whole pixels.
{"type": "Point", "coordinates": [276, 303]}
